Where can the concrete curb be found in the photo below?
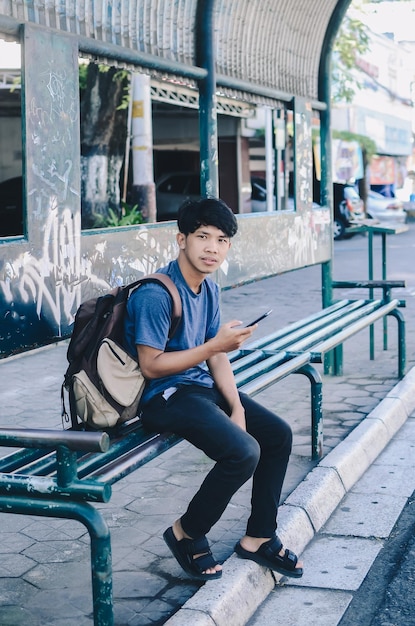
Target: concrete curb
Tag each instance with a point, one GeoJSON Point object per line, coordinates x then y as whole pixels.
{"type": "Point", "coordinates": [244, 584]}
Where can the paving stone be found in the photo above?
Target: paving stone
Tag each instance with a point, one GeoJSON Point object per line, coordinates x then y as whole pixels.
{"type": "Point", "coordinates": [361, 516]}
{"type": "Point", "coordinates": [54, 576]}
{"type": "Point", "coordinates": [337, 562]}
{"type": "Point", "coordinates": [18, 616]}
{"type": "Point", "coordinates": [129, 584]}
{"type": "Point", "coordinates": [14, 591]}
{"type": "Point", "coordinates": [14, 542]}
{"type": "Point", "coordinates": [386, 479]}
{"type": "Point", "coordinates": [55, 551]}
{"type": "Point", "coordinates": [302, 607]}
{"type": "Point", "coordinates": [49, 529]}
{"type": "Point", "coordinates": [15, 565]}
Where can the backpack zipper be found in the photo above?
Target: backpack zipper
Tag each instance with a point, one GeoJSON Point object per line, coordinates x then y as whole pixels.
{"type": "Point", "coordinates": [117, 356]}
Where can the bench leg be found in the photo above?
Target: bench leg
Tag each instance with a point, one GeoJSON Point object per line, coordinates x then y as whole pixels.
{"type": "Point", "coordinates": [101, 567]}
{"type": "Point", "coordinates": [316, 409]}
{"type": "Point", "coordinates": [401, 341]}
{"type": "Point", "coordinates": [333, 362]}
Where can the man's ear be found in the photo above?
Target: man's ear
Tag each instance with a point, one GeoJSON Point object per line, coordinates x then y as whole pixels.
{"type": "Point", "coordinates": [181, 240]}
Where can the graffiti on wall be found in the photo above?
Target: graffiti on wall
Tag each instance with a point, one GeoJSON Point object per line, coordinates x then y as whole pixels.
{"type": "Point", "coordinates": [39, 295]}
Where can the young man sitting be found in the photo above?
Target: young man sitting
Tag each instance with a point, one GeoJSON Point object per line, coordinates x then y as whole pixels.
{"type": "Point", "coordinates": [203, 405]}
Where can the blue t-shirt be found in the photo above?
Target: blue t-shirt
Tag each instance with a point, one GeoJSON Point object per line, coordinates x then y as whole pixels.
{"type": "Point", "coordinates": [148, 320]}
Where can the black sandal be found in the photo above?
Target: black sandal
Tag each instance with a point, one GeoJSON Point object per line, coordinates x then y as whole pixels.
{"type": "Point", "coordinates": [269, 556]}
{"type": "Point", "coordinates": [184, 552]}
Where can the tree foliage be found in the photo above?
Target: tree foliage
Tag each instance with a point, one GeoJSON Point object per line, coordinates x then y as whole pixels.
{"type": "Point", "coordinates": [352, 39]}
{"type": "Point", "coordinates": [367, 144]}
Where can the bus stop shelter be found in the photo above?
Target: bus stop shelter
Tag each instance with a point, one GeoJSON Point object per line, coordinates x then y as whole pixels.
{"type": "Point", "coordinates": [225, 53]}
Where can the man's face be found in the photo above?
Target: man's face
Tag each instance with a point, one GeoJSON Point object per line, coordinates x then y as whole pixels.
{"type": "Point", "coordinates": [205, 249]}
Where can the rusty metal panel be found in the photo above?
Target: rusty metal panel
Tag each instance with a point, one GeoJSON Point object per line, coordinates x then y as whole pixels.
{"type": "Point", "coordinates": [52, 142]}
{"type": "Point", "coordinates": [39, 276]}
{"type": "Point", "coordinates": [303, 150]}
{"type": "Point", "coordinates": [274, 43]}
{"type": "Point", "coordinates": [267, 245]}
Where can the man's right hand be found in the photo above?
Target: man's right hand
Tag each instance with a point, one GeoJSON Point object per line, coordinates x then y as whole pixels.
{"type": "Point", "coordinates": [231, 336]}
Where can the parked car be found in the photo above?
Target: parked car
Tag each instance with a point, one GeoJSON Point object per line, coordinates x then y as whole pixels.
{"type": "Point", "coordinates": [385, 209]}
{"type": "Point", "coordinates": [348, 209]}
{"type": "Point", "coordinates": [172, 190]}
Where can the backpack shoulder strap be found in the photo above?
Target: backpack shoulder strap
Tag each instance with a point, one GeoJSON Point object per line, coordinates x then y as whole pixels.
{"type": "Point", "coordinates": [166, 282]}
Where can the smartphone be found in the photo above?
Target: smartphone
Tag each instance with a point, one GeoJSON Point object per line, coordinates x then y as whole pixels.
{"type": "Point", "coordinates": [259, 318]}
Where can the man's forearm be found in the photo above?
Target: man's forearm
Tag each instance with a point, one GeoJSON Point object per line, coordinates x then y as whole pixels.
{"type": "Point", "coordinates": [158, 364]}
{"type": "Point", "coordinates": [222, 374]}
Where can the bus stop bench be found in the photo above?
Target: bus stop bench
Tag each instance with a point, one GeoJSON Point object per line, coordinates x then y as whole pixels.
{"type": "Point", "coordinates": [61, 474]}
{"type": "Point", "coordinates": [318, 335]}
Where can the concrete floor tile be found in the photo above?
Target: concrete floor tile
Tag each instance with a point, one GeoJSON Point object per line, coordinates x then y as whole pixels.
{"type": "Point", "coordinates": [365, 515]}
{"type": "Point", "coordinates": [337, 562]}
{"type": "Point", "coordinates": [290, 606]}
{"type": "Point", "coordinates": [386, 479]}
{"type": "Point", "coordinates": [53, 576]}
{"type": "Point", "coordinates": [14, 542]}
{"type": "Point", "coordinates": [15, 565]}
{"type": "Point", "coordinates": [400, 452]}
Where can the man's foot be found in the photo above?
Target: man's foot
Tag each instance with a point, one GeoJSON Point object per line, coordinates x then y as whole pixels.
{"type": "Point", "coordinates": [193, 555]}
{"type": "Point", "coordinates": [270, 553]}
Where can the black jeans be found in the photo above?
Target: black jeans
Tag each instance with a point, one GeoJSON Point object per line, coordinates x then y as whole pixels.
{"type": "Point", "coordinates": [201, 416]}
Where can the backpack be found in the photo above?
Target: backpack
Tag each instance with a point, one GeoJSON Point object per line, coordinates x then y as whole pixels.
{"type": "Point", "coordinates": [104, 383]}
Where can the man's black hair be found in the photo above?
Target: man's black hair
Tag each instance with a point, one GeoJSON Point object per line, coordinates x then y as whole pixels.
{"type": "Point", "coordinates": [207, 212]}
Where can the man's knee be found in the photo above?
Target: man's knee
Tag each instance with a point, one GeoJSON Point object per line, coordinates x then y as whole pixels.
{"type": "Point", "coordinates": [287, 436]}
{"type": "Point", "coordinates": [248, 455]}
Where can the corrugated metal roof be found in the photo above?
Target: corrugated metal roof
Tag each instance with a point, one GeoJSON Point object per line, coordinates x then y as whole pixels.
{"type": "Point", "coordinates": [274, 43]}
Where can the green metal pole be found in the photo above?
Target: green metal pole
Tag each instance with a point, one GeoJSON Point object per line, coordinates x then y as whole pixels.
{"type": "Point", "coordinates": [316, 409]}
{"type": "Point", "coordinates": [385, 321]}
{"type": "Point", "coordinates": [372, 328]}
{"type": "Point", "coordinates": [101, 563]}
{"type": "Point", "coordinates": [208, 130]}
{"type": "Point", "coordinates": [324, 95]}
{"type": "Point", "coordinates": [333, 363]}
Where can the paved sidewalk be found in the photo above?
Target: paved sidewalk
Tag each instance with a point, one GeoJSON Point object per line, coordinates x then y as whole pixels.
{"type": "Point", "coordinates": [341, 554]}
{"type": "Point", "coordinates": [44, 578]}
{"type": "Point", "coordinates": [338, 544]}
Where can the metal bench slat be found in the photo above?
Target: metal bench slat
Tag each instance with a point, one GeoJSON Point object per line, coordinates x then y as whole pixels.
{"type": "Point", "coordinates": [336, 326]}
{"type": "Point", "coordinates": [263, 341]}
{"type": "Point", "coordinates": [281, 340]}
{"type": "Point", "coordinates": [48, 438]}
{"type": "Point", "coordinates": [355, 327]}
{"type": "Point", "coordinates": [274, 375]}
{"type": "Point", "coordinates": [133, 459]}
{"type": "Point", "coordinates": [266, 363]}
{"type": "Point", "coordinates": [317, 327]}
{"type": "Point", "coordinates": [21, 458]}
